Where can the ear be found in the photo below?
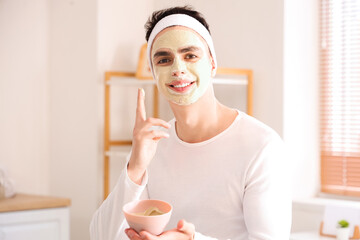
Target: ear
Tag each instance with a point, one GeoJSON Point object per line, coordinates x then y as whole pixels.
{"type": "Point", "coordinates": [213, 72]}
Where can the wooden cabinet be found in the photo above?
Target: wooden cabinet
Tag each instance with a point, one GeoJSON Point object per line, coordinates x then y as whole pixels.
{"type": "Point", "coordinates": [33, 217]}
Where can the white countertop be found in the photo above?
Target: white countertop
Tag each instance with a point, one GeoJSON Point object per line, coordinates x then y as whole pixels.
{"type": "Point", "coordinates": [308, 236]}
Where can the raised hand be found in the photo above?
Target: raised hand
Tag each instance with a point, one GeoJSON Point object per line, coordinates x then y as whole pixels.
{"type": "Point", "coordinates": [145, 140]}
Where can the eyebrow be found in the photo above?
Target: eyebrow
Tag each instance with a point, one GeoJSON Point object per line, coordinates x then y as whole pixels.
{"type": "Point", "coordinates": [189, 49]}
{"type": "Point", "coordinates": [161, 54]}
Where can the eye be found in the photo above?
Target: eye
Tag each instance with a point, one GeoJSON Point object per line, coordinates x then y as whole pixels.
{"type": "Point", "coordinates": [164, 61]}
{"type": "Point", "coordinates": [190, 56]}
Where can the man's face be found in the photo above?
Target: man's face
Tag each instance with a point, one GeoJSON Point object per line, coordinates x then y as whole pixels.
{"type": "Point", "coordinates": [182, 65]}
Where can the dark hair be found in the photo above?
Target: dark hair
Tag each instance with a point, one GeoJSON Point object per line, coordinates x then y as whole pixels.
{"type": "Point", "coordinates": [158, 15]}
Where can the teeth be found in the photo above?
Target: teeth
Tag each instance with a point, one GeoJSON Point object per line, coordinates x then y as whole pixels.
{"type": "Point", "coordinates": [182, 85]}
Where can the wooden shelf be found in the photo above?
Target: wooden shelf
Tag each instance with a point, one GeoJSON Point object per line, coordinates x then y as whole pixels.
{"type": "Point", "coordinates": [225, 76]}
{"type": "Point", "coordinates": [134, 81]}
{"type": "Point", "coordinates": [22, 202]}
{"type": "Point", "coordinates": [230, 81]}
{"type": "Point", "coordinates": [129, 81]}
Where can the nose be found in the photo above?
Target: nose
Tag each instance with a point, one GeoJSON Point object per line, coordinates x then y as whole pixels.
{"type": "Point", "coordinates": [178, 68]}
{"type": "Point", "coordinates": [177, 73]}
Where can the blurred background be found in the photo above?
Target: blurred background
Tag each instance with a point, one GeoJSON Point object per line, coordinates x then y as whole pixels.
{"type": "Point", "coordinates": [53, 56]}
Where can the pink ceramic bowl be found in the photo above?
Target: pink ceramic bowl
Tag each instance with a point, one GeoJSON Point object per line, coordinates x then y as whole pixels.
{"type": "Point", "coordinates": [152, 224]}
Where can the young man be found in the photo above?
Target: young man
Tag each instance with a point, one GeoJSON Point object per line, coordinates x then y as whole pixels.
{"type": "Point", "coordinates": [223, 171]}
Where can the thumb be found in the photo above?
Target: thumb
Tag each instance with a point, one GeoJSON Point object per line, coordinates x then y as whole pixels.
{"type": "Point", "coordinates": [186, 227]}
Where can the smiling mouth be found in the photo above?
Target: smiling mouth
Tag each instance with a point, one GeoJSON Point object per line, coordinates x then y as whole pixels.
{"type": "Point", "coordinates": [183, 85]}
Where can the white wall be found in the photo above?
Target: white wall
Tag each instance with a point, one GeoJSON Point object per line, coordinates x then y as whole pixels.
{"type": "Point", "coordinates": [24, 95]}
{"type": "Point", "coordinates": [74, 109]}
{"type": "Point", "coordinates": [300, 123]}
{"type": "Point", "coordinates": [120, 35]}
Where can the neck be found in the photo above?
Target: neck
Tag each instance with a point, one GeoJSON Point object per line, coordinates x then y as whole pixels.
{"type": "Point", "coordinates": [203, 119]}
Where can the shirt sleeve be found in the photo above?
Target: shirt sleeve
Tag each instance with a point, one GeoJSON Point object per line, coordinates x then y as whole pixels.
{"type": "Point", "coordinates": [108, 221]}
{"type": "Point", "coordinates": [267, 194]}
{"type": "Point", "coordinates": [199, 236]}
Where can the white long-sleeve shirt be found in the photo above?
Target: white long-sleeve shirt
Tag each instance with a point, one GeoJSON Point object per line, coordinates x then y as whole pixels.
{"type": "Point", "coordinates": [235, 185]}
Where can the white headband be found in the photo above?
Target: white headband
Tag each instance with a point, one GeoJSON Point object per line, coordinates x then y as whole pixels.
{"type": "Point", "coordinates": [180, 20]}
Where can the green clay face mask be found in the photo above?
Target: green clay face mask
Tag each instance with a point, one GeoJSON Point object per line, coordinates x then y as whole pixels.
{"type": "Point", "coordinates": [182, 66]}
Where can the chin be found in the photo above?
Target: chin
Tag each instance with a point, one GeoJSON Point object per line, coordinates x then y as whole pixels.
{"type": "Point", "coordinates": [183, 102]}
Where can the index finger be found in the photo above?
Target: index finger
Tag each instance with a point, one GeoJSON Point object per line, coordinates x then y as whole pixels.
{"type": "Point", "coordinates": [140, 109]}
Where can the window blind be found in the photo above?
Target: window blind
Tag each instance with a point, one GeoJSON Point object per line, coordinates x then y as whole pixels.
{"type": "Point", "coordinates": [340, 96]}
